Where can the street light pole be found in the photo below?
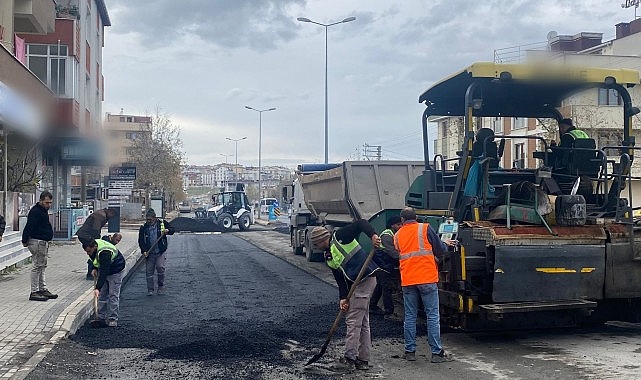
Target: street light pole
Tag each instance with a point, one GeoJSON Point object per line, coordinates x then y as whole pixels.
{"type": "Point", "coordinates": [260, 142]}
{"type": "Point", "coordinates": [304, 19]}
{"type": "Point", "coordinates": [226, 168]}
{"type": "Point", "coordinates": [236, 167]}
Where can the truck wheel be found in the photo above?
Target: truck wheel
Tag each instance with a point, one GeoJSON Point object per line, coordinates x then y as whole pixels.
{"type": "Point", "coordinates": [310, 255]}
{"type": "Point", "coordinates": [297, 250]}
{"type": "Point", "coordinates": [244, 222]}
{"type": "Point", "coordinates": [225, 221]}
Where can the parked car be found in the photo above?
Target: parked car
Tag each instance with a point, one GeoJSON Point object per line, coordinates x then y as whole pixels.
{"type": "Point", "coordinates": [184, 206]}
{"type": "Point", "coordinates": [265, 203]}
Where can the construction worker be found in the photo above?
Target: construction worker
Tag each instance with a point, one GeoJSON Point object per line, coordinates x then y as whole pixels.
{"type": "Point", "coordinates": [417, 244]}
{"type": "Point", "coordinates": [386, 257]}
{"type": "Point", "coordinates": [108, 264]}
{"type": "Point", "coordinates": [91, 228]}
{"type": "Point", "coordinates": [345, 257]}
{"type": "Point", "coordinates": [152, 240]}
{"type": "Point", "coordinates": [569, 133]}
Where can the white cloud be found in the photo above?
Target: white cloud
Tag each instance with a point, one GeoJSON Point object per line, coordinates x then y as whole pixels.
{"type": "Point", "coordinates": [202, 61]}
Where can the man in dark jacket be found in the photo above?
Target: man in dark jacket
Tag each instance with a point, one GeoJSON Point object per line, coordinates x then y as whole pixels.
{"type": "Point", "coordinates": [153, 230]}
{"type": "Point", "coordinates": [386, 257]}
{"type": "Point", "coordinates": [345, 257]}
{"type": "Point", "coordinates": [91, 228]}
{"type": "Point", "coordinates": [108, 264]}
{"type": "Point", "coordinates": [36, 236]}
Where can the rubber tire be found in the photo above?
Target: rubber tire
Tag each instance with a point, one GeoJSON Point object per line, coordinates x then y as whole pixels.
{"type": "Point", "coordinates": [298, 251]}
{"type": "Point", "coordinates": [225, 221]}
{"type": "Point", "coordinates": [310, 255]}
{"type": "Point", "coordinates": [244, 222]}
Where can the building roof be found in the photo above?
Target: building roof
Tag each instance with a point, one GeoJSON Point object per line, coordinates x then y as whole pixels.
{"type": "Point", "coordinates": [104, 15]}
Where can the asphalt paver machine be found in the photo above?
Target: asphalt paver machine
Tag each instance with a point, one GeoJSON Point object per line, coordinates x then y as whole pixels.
{"type": "Point", "coordinates": [552, 244]}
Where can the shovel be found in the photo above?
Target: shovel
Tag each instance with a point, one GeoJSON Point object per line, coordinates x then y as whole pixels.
{"type": "Point", "coordinates": [332, 330]}
{"type": "Point", "coordinates": [153, 245]}
{"type": "Point", "coordinates": [95, 322]}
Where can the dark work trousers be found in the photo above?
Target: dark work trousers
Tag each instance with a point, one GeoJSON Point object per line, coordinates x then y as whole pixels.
{"type": "Point", "coordinates": [384, 287]}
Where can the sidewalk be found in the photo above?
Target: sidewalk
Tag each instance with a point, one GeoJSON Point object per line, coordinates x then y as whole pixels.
{"type": "Point", "coordinates": [30, 329]}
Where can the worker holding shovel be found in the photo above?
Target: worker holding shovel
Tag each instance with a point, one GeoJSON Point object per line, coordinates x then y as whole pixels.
{"type": "Point", "coordinates": [353, 270]}
{"type": "Point", "coordinates": [108, 265]}
{"type": "Point", "coordinates": [152, 240]}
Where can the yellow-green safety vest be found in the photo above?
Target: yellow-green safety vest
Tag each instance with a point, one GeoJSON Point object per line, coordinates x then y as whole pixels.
{"type": "Point", "coordinates": [104, 246]}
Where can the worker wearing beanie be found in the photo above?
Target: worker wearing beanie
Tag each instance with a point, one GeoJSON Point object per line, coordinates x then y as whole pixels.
{"type": "Point", "coordinates": [345, 257]}
{"type": "Point", "coordinates": [155, 230]}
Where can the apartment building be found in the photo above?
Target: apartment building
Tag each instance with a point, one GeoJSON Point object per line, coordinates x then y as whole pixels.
{"type": "Point", "coordinates": [120, 131]}
{"type": "Point", "coordinates": [68, 60]}
{"type": "Point", "coordinates": [26, 103]}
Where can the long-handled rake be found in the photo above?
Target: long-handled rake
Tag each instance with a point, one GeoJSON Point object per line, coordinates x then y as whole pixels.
{"type": "Point", "coordinates": [332, 330]}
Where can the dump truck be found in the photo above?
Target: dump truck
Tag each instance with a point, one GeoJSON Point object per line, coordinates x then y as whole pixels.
{"type": "Point", "coordinates": [552, 245]}
{"type": "Point", "coordinates": [337, 194]}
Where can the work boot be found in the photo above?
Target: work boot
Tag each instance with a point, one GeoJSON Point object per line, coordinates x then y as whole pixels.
{"type": "Point", "coordinates": [361, 364]}
{"type": "Point", "coordinates": [150, 292]}
{"type": "Point", "coordinates": [343, 364]}
{"type": "Point", "coordinates": [409, 356]}
{"type": "Point", "coordinates": [441, 357]}
{"type": "Point", "coordinates": [112, 323]}
{"type": "Point", "coordinates": [36, 296]}
{"type": "Point", "coordinates": [376, 310]}
{"type": "Point", "coordinates": [161, 290]}
{"type": "Point", "coordinates": [48, 294]}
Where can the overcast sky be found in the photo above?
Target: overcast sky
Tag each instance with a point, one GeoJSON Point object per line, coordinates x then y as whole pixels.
{"type": "Point", "coordinates": [203, 61]}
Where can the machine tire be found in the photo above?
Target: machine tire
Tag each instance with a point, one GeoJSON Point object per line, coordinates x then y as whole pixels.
{"type": "Point", "coordinates": [244, 222]}
{"type": "Point", "coordinates": [297, 250]}
{"type": "Point", "coordinates": [226, 221]}
{"type": "Point", "coordinates": [310, 255]}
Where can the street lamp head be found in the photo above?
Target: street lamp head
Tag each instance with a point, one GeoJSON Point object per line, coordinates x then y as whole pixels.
{"type": "Point", "coordinates": [349, 19]}
{"type": "Point", "coordinates": [248, 107]}
{"type": "Point", "coordinates": [303, 19]}
{"type": "Point", "coordinates": [272, 109]}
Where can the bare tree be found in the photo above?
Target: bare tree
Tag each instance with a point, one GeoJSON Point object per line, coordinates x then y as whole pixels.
{"type": "Point", "coordinates": [158, 157]}
{"type": "Point", "coordinates": [23, 170]}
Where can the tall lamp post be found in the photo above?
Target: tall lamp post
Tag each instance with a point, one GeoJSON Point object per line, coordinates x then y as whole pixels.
{"type": "Point", "coordinates": [304, 19]}
{"type": "Point", "coordinates": [226, 168]}
{"type": "Point", "coordinates": [260, 137]}
{"type": "Point", "coordinates": [236, 168]}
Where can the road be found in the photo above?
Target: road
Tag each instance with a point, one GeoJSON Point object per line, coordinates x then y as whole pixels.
{"type": "Point", "coordinates": [237, 310]}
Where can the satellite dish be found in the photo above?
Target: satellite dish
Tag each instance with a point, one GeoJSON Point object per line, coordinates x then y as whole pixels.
{"type": "Point", "coordinates": [552, 34]}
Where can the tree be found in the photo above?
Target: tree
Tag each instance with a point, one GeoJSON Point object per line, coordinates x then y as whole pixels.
{"type": "Point", "coordinates": [158, 158]}
{"type": "Point", "coordinates": [23, 170]}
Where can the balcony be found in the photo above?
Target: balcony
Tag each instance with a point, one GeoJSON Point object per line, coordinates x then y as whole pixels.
{"type": "Point", "coordinates": [34, 16]}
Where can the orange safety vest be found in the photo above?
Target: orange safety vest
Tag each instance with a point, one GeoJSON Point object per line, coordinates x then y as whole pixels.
{"type": "Point", "coordinates": [417, 263]}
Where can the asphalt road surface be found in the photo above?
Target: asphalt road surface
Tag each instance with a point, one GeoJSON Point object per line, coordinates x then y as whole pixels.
{"type": "Point", "coordinates": [233, 310]}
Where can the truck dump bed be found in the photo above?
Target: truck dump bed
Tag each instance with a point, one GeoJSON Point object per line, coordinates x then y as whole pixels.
{"type": "Point", "coordinates": [359, 189]}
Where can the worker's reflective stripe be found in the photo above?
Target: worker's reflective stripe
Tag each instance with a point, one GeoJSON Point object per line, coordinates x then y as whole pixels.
{"type": "Point", "coordinates": [349, 258]}
{"type": "Point", "coordinates": [353, 248]}
{"type": "Point", "coordinates": [409, 255]}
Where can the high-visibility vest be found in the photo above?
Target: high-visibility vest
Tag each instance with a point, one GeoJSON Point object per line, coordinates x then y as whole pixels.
{"type": "Point", "coordinates": [578, 134]}
{"type": "Point", "coordinates": [416, 259]}
{"type": "Point", "coordinates": [349, 258]}
{"type": "Point", "coordinates": [104, 246]}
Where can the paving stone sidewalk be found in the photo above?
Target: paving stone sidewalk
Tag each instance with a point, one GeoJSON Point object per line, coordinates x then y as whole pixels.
{"type": "Point", "coordinates": [30, 329]}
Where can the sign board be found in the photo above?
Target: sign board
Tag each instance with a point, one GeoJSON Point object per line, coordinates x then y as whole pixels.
{"type": "Point", "coordinates": [117, 191]}
{"type": "Point", "coordinates": [123, 173]}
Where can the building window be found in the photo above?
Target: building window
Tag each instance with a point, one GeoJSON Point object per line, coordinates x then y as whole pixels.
{"type": "Point", "coordinates": [519, 156]}
{"type": "Point", "coordinates": [609, 97]}
{"type": "Point", "coordinates": [518, 123]}
{"type": "Point", "coordinates": [497, 125]}
{"type": "Point", "coordinates": [132, 135]}
{"type": "Point", "coordinates": [53, 68]}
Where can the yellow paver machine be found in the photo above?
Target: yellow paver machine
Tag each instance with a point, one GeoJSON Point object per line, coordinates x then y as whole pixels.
{"type": "Point", "coordinates": [553, 242]}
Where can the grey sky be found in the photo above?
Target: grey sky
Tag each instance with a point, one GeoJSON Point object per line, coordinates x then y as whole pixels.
{"type": "Point", "coordinates": [202, 61]}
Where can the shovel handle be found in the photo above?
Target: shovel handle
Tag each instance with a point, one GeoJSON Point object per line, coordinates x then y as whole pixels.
{"type": "Point", "coordinates": [153, 245]}
{"type": "Point", "coordinates": [352, 289]}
